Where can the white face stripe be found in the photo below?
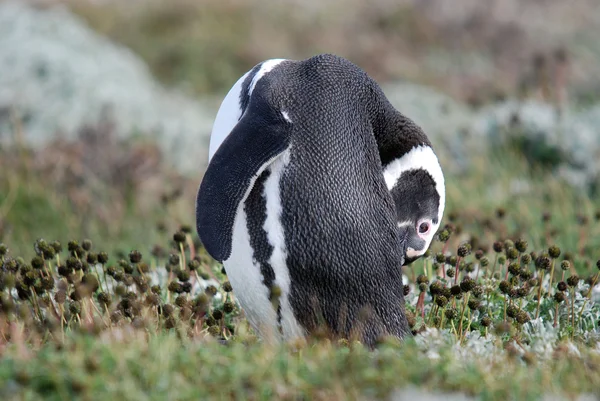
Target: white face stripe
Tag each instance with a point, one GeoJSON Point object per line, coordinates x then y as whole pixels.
{"type": "Point", "coordinates": [264, 68]}
{"type": "Point", "coordinates": [419, 157]}
{"type": "Point", "coordinates": [230, 110]}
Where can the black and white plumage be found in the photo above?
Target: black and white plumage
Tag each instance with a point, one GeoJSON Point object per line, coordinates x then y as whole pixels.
{"type": "Point", "coordinates": [318, 186]}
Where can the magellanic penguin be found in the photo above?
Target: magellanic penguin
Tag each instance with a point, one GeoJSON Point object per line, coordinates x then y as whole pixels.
{"type": "Point", "coordinates": [316, 193]}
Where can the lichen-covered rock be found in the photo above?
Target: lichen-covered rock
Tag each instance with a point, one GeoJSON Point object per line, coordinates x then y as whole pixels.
{"type": "Point", "coordinates": [566, 141]}
{"type": "Point", "coordinates": [57, 75]}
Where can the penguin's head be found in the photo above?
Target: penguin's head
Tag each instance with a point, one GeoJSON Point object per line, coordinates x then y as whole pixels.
{"type": "Point", "coordinates": [416, 183]}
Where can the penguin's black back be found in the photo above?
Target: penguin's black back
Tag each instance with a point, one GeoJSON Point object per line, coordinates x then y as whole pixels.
{"type": "Point", "coordinates": [344, 253]}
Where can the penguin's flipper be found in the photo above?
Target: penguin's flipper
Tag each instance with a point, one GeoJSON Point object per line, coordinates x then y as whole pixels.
{"type": "Point", "coordinates": [261, 135]}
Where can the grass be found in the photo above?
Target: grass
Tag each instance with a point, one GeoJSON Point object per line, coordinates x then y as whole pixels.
{"type": "Point", "coordinates": [75, 324]}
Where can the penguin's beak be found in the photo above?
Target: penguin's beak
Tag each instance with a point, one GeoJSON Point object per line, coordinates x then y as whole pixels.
{"type": "Point", "coordinates": [412, 245]}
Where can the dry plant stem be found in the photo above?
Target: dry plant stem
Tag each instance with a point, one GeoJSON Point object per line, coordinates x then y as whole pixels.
{"type": "Point", "coordinates": [555, 316]}
{"type": "Point", "coordinates": [421, 304]}
{"type": "Point", "coordinates": [462, 314]}
{"type": "Point", "coordinates": [191, 247]}
{"type": "Point", "coordinates": [494, 267]}
{"type": "Point", "coordinates": [551, 277]}
{"type": "Point", "coordinates": [537, 313]}
{"type": "Point", "coordinates": [456, 271]}
{"type": "Point", "coordinates": [182, 259]}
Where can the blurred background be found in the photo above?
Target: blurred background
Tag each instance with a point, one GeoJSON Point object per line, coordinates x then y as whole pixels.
{"type": "Point", "coordinates": [106, 106]}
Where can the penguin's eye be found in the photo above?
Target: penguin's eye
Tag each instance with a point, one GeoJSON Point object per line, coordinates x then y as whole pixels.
{"type": "Point", "coordinates": [423, 227]}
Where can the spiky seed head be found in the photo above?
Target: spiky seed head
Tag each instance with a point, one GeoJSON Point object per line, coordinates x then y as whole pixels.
{"type": "Point", "coordinates": [173, 259]}
{"type": "Point", "coordinates": [167, 310]}
{"type": "Point", "coordinates": [179, 237]}
{"type": "Point", "coordinates": [554, 251]}
{"type": "Point", "coordinates": [440, 258]}
{"type": "Point", "coordinates": [186, 287]}
{"type": "Point", "coordinates": [455, 290]}
{"type": "Point", "coordinates": [543, 262]}
{"type": "Point", "coordinates": [512, 253]}
{"type": "Point", "coordinates": [565, 265]}
{"type": "Point", "coordinates": [175, 287]}
{"type": "Point", "coordinates": [477, 291]}
{"type": "Point", "coordinates": [152, 299]}
{"type": "Point", "coordinates": [486, 321]}
{"type": "Point", "coordinates": [183, 275]}
{"type": "Point", "coordinates": [525, 274]}
{"type": "Point", "coordinates": [464, 250]}
{"type": "Point", "coordinates": [181, 301]}
{"type": "Point", "coordinates": [75, 307]}
{"type": "Point", "coordinates": [484, 261]}
{"type": "Point", "coordinates": [3, 250]}
{"type": "Point", "coordinates": [86, 244]}
{"type": "Point", "coordinates": [92, 258]}
{"type": "Point", "coordinates": [467, 284]}
{"type": "Point", "coordinates": [522, 317]}
{"type": "Point", "coordinates": [74, 263]}
{"type": "Point", "coordinates": [212, 290]}
{"type": "Point", "coordinates": [422, 279]}
{"type": "Point", "coordinates": [562, 286]}
{"type": "Point", "coordinates": [60, 296]}
{"type": "Point", "coordinates": [450, 272]}
{"type": "Point", "coordinates": [573, 280]}
{"type": "Point", "coordinates": [57, 246]}
{"type": "Point", "coordinates": [451, 313]}
{"type": "Point", "coordinates": [505, 287]}
{"type": "Point", "coordinates": [435, 288]}
{"type": "Point", "coordinates": [498, 246]}
{"type": "Point", "coordinates": [47, 283]}
{"type": "Point", "coordinates": [228, 307]}
{"type": "Point", "coordinates": [217, 314]}
{"type": "Point", "coordinates": [521, 245]}
{"type": "Point", "coordinates": [512, 311]}
{"type": "Point", "coordinates": [104, 299]}
{"type": "Point", "coordinates": [598, 264]}
{"type": "Point", "coordinates": [37, 262]}
{"type": "Point", "coordinates": [500, 212]}
{"type": "Point", "coordinates": [406, 289]}
{"type": "Point", "coordinates": [525, 259]}
{"type": "Point", "coordinates": [474, 304]}
{"type": "Point", "coordinates": [444, 235]}
{"type": "Point", "coordinates": [441, 301]}
{"type": "Point", "coordinates": [479, 254]}
{"type": "Point", "coordinates": [514, 269]}
{"type": "Point", "coordinates": [193, 265]}
{"type": "Point", "coordinates": [135, 256]}
{"type": "Point", "coordinates": [560, 297]}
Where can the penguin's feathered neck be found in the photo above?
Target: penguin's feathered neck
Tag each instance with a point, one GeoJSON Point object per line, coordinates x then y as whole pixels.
{"type": "Point", "coordinates": [396, 134]}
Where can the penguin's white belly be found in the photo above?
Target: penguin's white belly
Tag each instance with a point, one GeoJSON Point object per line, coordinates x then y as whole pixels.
{"type": "Point", "coordinates": [247, 282]}
{"type": "Point", "coordinates": [244, 272]}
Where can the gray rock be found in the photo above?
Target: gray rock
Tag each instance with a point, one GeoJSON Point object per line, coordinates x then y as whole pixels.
{"type": "Point", "coordinates": [572, 137]}
{"type": "Point", "coordinates": [57, 75]}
